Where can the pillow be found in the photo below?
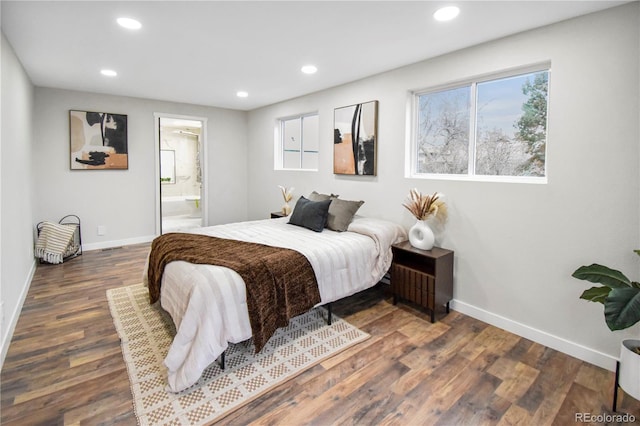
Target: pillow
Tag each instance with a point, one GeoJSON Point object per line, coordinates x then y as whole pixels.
{"type": "Point", "coordinates": [310, 214]}
{"type": "Point", "coordinates": [314, 196]}
{"type": "Point", "coordinates": [341, 214]}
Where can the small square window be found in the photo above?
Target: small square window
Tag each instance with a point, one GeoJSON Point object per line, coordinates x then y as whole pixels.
{"type": "Point", "coordinates": [297, 143]}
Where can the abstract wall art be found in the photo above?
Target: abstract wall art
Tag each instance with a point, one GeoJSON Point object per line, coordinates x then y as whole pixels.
{"type": "Point", "coordinates": [98, 140]}
{"type": "Point", "coordinates": [355, 135]}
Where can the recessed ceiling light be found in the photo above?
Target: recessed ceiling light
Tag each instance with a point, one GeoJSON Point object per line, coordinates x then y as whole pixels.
{"type": "Point", "coordinates": [129, 23]}
{"type": "Point", "coordinates": [309, 69]}
{"type": "Point", "coordinates": [446, 13]}
{"type": "Point", "coordinates": [242, 94]}
{"type": "Point", "coordinates": [109, 73]}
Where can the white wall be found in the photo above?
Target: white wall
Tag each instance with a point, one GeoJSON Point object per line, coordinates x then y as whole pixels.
{"type": "Point", "coordinates": [516, 245]}
{"type": "Point", "coordinates": [124, 200]}
{"type": "Point", "coordinates": [185, 148]}
{"type": "Point", "coordinates": [16, 192]}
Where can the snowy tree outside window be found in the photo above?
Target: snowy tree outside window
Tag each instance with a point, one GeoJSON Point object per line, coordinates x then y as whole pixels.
{"type": "Point", "coordinates": [489, 127]}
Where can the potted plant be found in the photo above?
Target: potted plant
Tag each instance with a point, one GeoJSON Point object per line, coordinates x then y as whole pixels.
{"type": "Point", "coordinates": [621, 299]}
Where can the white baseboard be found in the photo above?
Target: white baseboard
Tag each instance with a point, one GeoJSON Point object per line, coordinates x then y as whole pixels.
{"type": "Point", "coordinates": [117, 243]}
{"type": "Point", "coordinates": [15, 315]}
{"type": "Point", "coordinates": [542, 337]}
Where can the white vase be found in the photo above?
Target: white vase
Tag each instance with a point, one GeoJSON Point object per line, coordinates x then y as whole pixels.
{"type": "Point", "coordinates": [421, 236]}
{"type": "Point", "coordinates": [286, 209]}
{"type": "Point", "coordinates": [629, 377]}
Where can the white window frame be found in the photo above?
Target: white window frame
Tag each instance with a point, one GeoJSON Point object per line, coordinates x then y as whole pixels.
{"type": "Point", "coordinates": [411, 148]}
{"type": "Point", "coordinates": [279, 142]}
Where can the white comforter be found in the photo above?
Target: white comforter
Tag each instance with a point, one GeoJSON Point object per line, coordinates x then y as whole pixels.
{"type": "Point", "coordinates": [208, 303]}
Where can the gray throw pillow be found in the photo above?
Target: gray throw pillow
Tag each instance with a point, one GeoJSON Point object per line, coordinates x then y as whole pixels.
{"type": "Point", "coordinates": [341, 214]}
{"type": "Point", "coordinates": [315, 196]}
{"type": "Point", "coordinates": [310, 214]}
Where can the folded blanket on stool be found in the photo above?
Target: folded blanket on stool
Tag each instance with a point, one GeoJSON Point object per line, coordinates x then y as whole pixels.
{"type": "Point", "coordinates": [53, 241]}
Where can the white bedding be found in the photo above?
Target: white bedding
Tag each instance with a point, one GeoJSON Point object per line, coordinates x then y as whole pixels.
{"type": "Point", "coordinates": [208, 303]}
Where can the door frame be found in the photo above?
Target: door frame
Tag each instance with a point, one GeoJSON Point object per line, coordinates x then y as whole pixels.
{"type": "Point", "coordinates": [204, 196]}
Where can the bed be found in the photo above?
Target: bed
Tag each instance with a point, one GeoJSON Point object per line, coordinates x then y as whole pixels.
{"type": "Point", "coordinates": [208, 303]}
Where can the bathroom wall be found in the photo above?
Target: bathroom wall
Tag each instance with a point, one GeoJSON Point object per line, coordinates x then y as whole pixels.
{"type": "Point", "coordinates": [185, 147]}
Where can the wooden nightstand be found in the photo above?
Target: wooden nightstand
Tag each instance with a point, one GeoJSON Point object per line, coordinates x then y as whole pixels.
{"type": "Point", "coordinates": [276, 215]}
{"type": "Point", "coordinates": [424, 277]}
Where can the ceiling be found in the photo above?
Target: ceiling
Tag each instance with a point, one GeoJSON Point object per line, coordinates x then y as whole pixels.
{"type": "Point", "coordinates": [203, 52]}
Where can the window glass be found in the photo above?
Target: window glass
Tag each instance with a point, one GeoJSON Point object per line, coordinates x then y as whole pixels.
{"type": "Point", "coordinates": [310, 133]}
{"type": "Point", "coordinates": [489, 127]}
{"type": "Point", "coordinates": [292, 138]}
{"type": "Point", "coordinates": [511, 126]}
{"type": "Point", "coordinates": [298, 143]}
{"type": "Point", "coordinates": [443, 131]}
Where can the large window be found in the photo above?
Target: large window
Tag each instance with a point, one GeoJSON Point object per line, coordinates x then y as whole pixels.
{"type": "Point", "coordinates": [494, 127]}
{"type": "Point", "coordinates": [297, 146]}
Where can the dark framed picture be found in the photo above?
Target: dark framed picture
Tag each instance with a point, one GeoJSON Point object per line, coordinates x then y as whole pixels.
{"type": "Point", "coordinates": [355, 135]}
{"type": "Point", "coordinates": [98, 140]}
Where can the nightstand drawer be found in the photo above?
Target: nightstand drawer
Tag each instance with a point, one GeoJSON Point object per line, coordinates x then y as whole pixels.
{"type": "Point", "coordinates": [413, 285]}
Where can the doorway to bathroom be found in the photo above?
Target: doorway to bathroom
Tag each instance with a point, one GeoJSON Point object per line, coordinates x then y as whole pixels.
{"type": "Point", "coordinates": [180, 173]}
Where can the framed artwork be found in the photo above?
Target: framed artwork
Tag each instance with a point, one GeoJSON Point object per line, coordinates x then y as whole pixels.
{"type": "Point", "coordinates": [355, 135]}
{"type": "Point", "coordinates": [98, 140]}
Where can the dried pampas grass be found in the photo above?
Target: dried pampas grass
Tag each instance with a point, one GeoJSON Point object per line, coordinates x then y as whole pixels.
{"type": "Point", "coordinates": [287, 193]}
{"type": "Point", "coordinates": [424, 207]}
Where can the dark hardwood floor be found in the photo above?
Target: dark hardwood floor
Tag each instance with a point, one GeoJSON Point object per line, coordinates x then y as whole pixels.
{"type": "Point", "coordinates": [64, 365]}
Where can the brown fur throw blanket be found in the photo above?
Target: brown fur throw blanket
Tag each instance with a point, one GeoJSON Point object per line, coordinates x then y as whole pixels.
{"type": "Point", "coordinates": [280, 282]}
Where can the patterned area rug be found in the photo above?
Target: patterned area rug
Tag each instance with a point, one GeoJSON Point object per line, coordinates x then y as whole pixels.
{"type": "Point", "coordinates": [146, 332]}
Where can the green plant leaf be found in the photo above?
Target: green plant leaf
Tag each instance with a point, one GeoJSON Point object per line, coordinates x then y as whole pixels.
{"type": "Point", "coordinates": [637, 252]}
{"type": "Point", "coordinates": [602, 275]}
{"type": "Point", "coordinates": [622, 308]}
{"type": "Point", "coordinates": [596, 294]}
